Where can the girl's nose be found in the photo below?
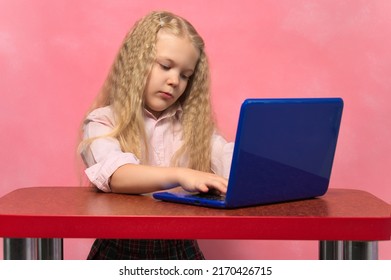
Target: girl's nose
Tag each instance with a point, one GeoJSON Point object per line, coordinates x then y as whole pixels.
{"type": "Point", "coordinates": [173, 80]}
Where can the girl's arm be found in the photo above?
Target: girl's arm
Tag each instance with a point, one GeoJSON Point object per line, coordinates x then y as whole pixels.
{"type": "Point", "coordinates": [138, 179]}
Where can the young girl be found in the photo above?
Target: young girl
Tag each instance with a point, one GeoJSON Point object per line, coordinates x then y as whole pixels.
{"type": "Point", "coordinates": [151, 128]}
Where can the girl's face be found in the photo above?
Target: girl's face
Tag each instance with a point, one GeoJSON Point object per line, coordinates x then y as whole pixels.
{"type": "Point", "coordinates": [176, 59]}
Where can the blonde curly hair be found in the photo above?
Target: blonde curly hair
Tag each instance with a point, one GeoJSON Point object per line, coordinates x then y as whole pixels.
{"type": "Point", "coordinates": [124, 88]}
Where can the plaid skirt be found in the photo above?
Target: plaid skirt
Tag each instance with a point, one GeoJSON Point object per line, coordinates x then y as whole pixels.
{"type": "Point", "coordinates": [129, 249]}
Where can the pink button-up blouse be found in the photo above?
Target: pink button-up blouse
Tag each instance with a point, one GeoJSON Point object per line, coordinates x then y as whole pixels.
{"type": "Point", "coordinates": [164, 136]}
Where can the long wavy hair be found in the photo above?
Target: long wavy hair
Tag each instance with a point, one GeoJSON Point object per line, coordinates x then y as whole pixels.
{"type": "Point", "coordinates": [124, 89]}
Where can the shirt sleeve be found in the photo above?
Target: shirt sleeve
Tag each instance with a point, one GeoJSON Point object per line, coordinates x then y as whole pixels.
{"type": "Point", "coordinates": [104, 155]}
{"type": "Point", "coordinates": [222, 152]}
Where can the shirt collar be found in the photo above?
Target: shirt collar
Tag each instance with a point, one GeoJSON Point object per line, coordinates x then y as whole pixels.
{"type": "Point", "coordinates": [172, 111]}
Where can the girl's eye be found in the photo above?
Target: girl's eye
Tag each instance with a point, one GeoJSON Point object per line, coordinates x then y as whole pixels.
{"type": "Point", "coordinates": [185, 77]}
{"type": "Point", "coordinates": [165, 67]}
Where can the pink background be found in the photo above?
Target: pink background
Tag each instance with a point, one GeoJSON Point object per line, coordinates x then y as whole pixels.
{"type": "Point", "coordinates": [54, 56]}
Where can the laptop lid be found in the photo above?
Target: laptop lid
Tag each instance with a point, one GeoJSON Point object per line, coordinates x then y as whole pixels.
{"type": "Point", "coordinates": [284, 150]}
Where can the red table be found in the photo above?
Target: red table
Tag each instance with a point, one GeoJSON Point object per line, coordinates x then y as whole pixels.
{"type": "Point", "coordinates": [348, 223]}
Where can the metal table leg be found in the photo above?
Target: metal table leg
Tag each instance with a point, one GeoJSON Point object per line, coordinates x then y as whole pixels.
{"type": "Point", "coordinates": [50, 249]}
{"type": "Point", "coordinates": [330, 250]}
{"type": "Point", "coordinates": [33, 248]}
{"type": "Point", "coordinates": [20, 248]}
{"type": "Point", "coordinates": [360, 250]}
{"type": "Point", "coordinates": [348, 250]}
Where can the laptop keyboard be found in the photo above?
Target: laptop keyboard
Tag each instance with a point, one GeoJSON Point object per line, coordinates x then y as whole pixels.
{"type": "Point", "coordinates": [208, 196]}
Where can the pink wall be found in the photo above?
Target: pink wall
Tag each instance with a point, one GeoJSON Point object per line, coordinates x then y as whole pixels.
{"type": "Point", "coordinates": [54, 56]}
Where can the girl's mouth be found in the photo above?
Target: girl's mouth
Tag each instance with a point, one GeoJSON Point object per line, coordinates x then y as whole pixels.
{"type": "Point", "coordinates": [166, 95]}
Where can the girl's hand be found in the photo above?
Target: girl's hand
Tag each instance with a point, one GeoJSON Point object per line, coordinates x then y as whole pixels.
{"type": "Point", "coordinates": [198, 181]}
{"type": "Point", "coordinates": [138, 179]}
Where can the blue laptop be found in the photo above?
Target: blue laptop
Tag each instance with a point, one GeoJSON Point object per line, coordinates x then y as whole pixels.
{"type": "Point", "coordinates": [284, 151]}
